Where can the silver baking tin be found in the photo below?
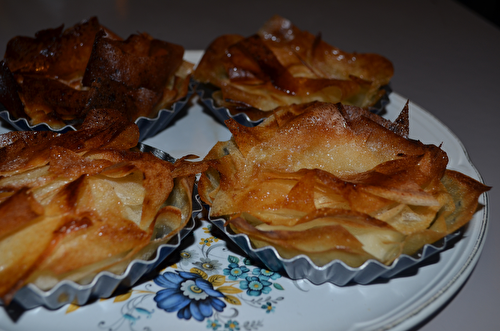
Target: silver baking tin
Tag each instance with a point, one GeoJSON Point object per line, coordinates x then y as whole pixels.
{"type": "Point", "coordinates": [335, 272]}
{"type": "Point", "coordinates": [148, 127]}
{"type": "Point", "coordinates": [205, 92]}
{"type": "Point", "coordinates": [106, 283]}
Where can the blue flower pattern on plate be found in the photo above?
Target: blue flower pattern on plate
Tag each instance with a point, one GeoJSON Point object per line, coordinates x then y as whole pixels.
{"type": "Point", "coordinates": [255, 286]}
{"type": "Point", "coordinates": [234, 271]}
{"type": "Point", "coordinates": [188, 294]}
{"type": "Point", "coordinates": [200, 286]}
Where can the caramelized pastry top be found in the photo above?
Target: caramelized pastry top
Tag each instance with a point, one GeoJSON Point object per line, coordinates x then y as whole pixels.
{"type": "Point", "coordinates": [281, 65]}
{"type": "Point", "coordinates": [59, 75]}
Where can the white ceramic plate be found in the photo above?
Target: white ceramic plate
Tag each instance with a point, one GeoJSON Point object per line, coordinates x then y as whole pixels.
{"type": "Point", "coordinates": [278, 303]}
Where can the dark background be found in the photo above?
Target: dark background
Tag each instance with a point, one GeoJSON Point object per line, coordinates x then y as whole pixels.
{"type": "Point", "coordinates": [489, 9]}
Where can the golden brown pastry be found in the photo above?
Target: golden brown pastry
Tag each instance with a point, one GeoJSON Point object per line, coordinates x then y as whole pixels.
{"type": "Point", "coordinates": [59, 75]}
{"type": "Point", "coordinates": [335, 182]}
{"type": "Point", "coordinates": [77, 203]}
{"type": "Point", "coordinates": [281, 65]}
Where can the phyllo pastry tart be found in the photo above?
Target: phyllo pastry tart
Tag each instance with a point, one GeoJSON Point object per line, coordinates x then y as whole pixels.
{"type": "Point", "coordinates": [281, 65]}
{"type": "Point", "coordinates": [76, 204]}
{"type": "Point", "coordinates": [53, 80]}
{"type": "Point", "coordinates": [335, 182]}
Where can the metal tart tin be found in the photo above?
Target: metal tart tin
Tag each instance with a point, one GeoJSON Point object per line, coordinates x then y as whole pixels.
{"type": "Point", "coordinates": [335, 272]}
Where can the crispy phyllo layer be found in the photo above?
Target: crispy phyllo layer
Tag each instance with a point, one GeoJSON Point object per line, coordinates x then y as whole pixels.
{"type": "Point", "coordinates": [281, 65]}
{"type": "Point", "coordinates": [59, 75]}
{"type": "Point", "coordinates": [336, 182]}
{"type": "Point", "coordinates": [77, 203]}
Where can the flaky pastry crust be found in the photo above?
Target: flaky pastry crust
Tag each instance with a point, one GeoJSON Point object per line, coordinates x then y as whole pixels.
{"type": "Point", "coordinates": [58, 76]}
{"type": "Point", "coordinates": [74, 204]}
{"type": "Point", "coordinates": [281, 65]}
{"type": "Point", "coordinates": [335, 182]}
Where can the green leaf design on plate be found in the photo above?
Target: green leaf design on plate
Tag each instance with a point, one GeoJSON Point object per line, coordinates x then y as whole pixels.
{"type": "Point", "coordinates": [233, 259]}
{"type": "Point", "coordinates": [278, 286]}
